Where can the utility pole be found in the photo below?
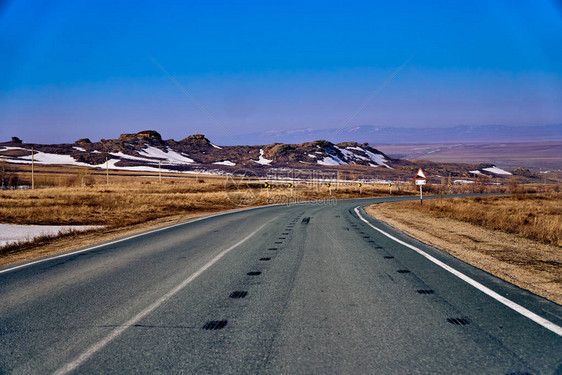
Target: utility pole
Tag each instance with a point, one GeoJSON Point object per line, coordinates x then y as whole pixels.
{"type": "Point", "coordinates": [32, 170]}
{"type": "Point", "coordinates": [337, 179]}
{"type": "Point", "coordinates": [106, 171]}
{"type": "Point", "coordinates": [160, 171]}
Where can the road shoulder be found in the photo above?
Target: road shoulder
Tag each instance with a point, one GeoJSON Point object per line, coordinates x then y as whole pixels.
{"type": "Point", "coordinates": [64, 244]}
{"type": "Point", "coordinates": [522, 262]}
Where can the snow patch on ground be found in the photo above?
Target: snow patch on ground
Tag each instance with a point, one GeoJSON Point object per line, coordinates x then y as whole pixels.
{"type": "Point", "coordinates": [348, 155]}
{"type": "Point", "coordinates": [170, 156]}
{"type": "Point", "coordinates": [462, 182]}
{"type": "Point", "coordinates": [215, 146]}
{"type": "Point", "coordinates": [79, 148]}
{"type": "Point", "coordinates": [131, 157]}
{"type": "Point", "coordinates": [262, 160]}
{"type": "Point", "coordinates": [377, 158]}
{"type": "Point", "coordinates": [10, 233]}
{"type": "Point", "coordinates": [496, 170]}
{"type": "Point", "coordinates": [225, 162]}
{"type": "Point", "coordinates": [354, 154]}
{"type": "Point", "coordinates": [111, 165]}
{"type": "Point", "coordinates": [475, 172]}
{"type": "Point", "coordinates": [45, 158]}
{"type": "Point", "coordinates": [328, 160]}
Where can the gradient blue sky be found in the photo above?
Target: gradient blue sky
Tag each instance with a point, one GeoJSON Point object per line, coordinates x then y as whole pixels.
{"type": "Point", "coordinates": [84, 69]}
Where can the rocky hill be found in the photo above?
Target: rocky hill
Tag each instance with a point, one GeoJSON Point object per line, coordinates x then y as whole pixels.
{"type": "Point", "coordinates": [147, 151]}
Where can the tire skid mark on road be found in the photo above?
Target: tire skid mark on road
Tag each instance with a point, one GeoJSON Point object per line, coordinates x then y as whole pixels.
{"type": "Point", "coordinates": [84, 356]}
{"type": "Point", "coordinates": [505, 301]}
{"type": "Point", "coordinates": [252, 276]}
{"type": "Point", "coordinates": [413, 282]}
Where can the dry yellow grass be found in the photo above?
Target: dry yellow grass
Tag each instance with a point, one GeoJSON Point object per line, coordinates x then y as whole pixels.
{"type": "Point", "coordinates": [118, 205]}
{"type": "Point", "coordinates": [534, 216]}
{"type": "Point", "coordinates": [113, 205]}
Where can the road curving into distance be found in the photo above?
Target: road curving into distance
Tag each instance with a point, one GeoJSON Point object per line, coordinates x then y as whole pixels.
{"type": "Point", "coordinates": [306, 288]}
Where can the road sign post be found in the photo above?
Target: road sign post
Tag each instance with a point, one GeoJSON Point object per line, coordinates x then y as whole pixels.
{"type": "Point", "coordinates": [360, 187]}
{"type": "Point", "coordinates": [329, 184]}
{"type": "Point", "coordinates": [390, 188]}
{"type": "Point", "coordinates": [421, 179]}
{"type": "Point", "coordinates": [291, 188]}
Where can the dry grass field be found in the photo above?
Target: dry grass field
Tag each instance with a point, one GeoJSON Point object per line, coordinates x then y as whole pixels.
{"type": "Point", "coordinates": [110, 205]}
{"type": "Point", "coordinates": [537, 217]}
{"type": "Point", "coordinates": [517, 238]}
{"type": "Point", "coordinates": [117, 205]}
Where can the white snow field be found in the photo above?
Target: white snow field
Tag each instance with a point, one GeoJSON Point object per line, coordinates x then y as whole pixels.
{"type": "Point", "coordinates": [171, 156]}
{"type": "Point", "coordinates": [350, 157]}
{"type": "Point", "coordinates": [151, 154]}
{"type": "Point", "coordinates": [329, 160]}
{"type": "Point", "coordinates": [496, 170]}
{"type": "Point", "coordinates": [225, 162]}
{"type": "Point", "coordinates": [11, 233]}
{"type": "Point", "coordinates": [262, 160]}
{"type": "Point", "coordinates": [45, 158]}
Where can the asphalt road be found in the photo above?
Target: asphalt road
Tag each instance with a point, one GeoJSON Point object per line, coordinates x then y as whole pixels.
{"type": "Point", "coordinates": [282, 289]}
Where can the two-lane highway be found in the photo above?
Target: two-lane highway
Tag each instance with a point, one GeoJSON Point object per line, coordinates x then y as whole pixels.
{"type": "Point", "coordinates": [281, 289]}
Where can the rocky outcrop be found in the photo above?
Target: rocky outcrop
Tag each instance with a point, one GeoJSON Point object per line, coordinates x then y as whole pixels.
{"type": "Point", "coordinates": [196, 139]}
{"type": "Point", "coordinates": [150, 134]}
{"type": "Point", "coordinates": [146, 135]}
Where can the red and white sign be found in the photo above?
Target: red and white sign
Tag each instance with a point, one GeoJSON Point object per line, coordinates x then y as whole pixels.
{"type": "Point", "coordinates": [420, 175]}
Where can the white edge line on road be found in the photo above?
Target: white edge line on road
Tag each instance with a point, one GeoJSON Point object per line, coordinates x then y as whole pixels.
{"type": "Point", "coordinates": [512, 305]}
{"type": "Point", "coordinates": [128, 238]}
{"type": "Point", "coordinates": [119, 330]}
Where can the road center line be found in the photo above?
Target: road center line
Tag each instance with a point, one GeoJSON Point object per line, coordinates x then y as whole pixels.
{"type": "Point", "coordinates": [119, 330]}
{"type": "Point", "coordinates": [507, 302]}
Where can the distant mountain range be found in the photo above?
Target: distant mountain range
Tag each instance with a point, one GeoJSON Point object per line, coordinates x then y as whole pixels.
{"type": "Point", "coordinates": [391, 135]}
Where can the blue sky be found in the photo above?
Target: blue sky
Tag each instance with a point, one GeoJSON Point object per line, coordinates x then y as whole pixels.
{"type": "Point", "coordinates": [86, 69]}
